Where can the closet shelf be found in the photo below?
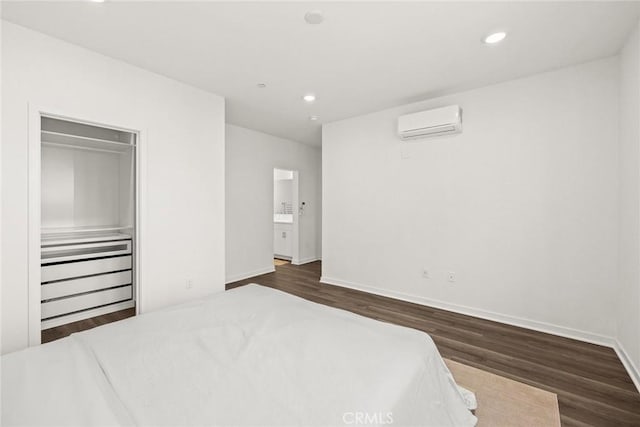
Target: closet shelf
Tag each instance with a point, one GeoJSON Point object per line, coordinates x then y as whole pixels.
{"type": "Point", "coordinates": [83, 143]}
{"type": "Point", "coordinates": [84, 229]}
{"type": "Point", "coordinates": [51, 235]}
{"type": "Point", "coordinates": [70, 238]}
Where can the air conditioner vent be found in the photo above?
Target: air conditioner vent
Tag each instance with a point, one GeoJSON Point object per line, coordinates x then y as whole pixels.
{"type": "Point", "coordinates": [431, 123]}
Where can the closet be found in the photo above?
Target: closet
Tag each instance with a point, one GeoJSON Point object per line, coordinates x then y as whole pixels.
{"type": "Point", "coordinates": [88, 221]}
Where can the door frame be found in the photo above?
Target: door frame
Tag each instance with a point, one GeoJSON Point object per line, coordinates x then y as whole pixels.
{"type": "Point", "coordinates": [35, 113]}
{"type": "Point", "coordinates": [295, 201]}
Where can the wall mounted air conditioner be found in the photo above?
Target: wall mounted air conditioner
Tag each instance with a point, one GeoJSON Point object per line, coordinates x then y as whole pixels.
{"type": "Point", "coordinates": [426, 124]}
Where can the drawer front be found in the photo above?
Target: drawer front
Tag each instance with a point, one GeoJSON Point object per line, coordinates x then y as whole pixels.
{"type": "Point", "coordinates": [84, 268]}
{"type": "Point", "coordinates": [85, 302]}
{"type": "Point", "coordinates": [61, 253]}
{"type": "Point", "coordinates": [86, 284]}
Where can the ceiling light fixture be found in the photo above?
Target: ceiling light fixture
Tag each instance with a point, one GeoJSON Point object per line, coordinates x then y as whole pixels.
{"type": "Point", "coordinates": [494, 38]}
{"type": "Point", "coordinates": [313, 118]}
{"type": "Point", "coordinates": [261, 85]}
{"type": "Point", "coordinates": [314, 17]}
{"type": "Point", "coordinates": [97, 1]}
{"type": "Point", "coordinates": [309, 97]}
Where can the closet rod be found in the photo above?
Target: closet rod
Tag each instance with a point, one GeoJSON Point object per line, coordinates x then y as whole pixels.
{"type": "Point", "coordinates": [72, 137]}
{"type": "Point", "coordinates": [79, 147]}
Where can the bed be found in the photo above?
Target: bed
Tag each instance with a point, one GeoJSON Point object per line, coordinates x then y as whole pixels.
{"type": "Point", "coordinates": [248, 356]}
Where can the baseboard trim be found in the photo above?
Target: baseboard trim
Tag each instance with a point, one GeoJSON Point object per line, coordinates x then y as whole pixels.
{"type": "Point", "coordinates": [305, 260]}
{"type": "Point", "coordinates": [247, 275]}
{"type": "Point", "coordinates": [483, 314]}
{"type": "Point", "coordinates": [631, 368]}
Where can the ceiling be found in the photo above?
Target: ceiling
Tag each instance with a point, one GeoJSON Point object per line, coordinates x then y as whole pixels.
{"type": "Point", "coordinates": [364, 57]}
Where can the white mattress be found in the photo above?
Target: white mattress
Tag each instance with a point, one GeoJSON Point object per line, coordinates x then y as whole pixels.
{"type": "Point", "coordinates": [250, 356]}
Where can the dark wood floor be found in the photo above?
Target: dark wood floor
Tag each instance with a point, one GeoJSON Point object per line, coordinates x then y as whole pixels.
{"type": "Point", "coordinates": [52, 334]}
{"type": "Point", "coordinates": [593, 387]}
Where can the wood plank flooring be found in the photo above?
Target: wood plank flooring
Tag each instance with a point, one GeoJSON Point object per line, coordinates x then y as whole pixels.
{"type": "Point", "coordinates": [58, 332]}
{"type": "Point", "coordinates": [593, 387]}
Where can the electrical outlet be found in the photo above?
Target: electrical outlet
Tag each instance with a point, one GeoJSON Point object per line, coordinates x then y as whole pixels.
{"type": "Point", "coordinates": [426, 274]}
{"type": "Point", "coordinates": [189, 284]}
{"type": "Point", "coordinates": [452, 276]}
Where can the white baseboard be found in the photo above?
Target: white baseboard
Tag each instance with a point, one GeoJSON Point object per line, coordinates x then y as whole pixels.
{"type": "Point", "coordinates": [483, 314]}
{"type": "Point", "coordinates": [631, 368]}
{"type": "Point", "coordinates": [242, 276]}
{"type": "Point", "coordinates": [305, 260]}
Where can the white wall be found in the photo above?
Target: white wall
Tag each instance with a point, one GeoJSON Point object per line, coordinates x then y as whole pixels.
{"type": "Point", "coordinates": [628, 296]}
{"type": "Point", "coordinates": [80, 188]}
{"type": "Point", "coordinates": [251, 158]}
{"type": "Point", "coordinates": [522, 205]}
{"type": "Point", "coordinates": [183, 186]}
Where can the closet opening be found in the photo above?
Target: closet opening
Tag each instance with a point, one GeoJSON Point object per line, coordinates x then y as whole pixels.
{"type": "Point", "coordinates": [88, 241]}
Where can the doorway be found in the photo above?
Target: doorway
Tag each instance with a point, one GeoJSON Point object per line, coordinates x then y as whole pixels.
{"type": "Point", "coordinates": [286, 215]}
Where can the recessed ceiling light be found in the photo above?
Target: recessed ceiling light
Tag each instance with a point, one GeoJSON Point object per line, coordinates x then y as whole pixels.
{"type": "Point", "coordinates": [494, 38]}
{"type": "Point", "coordinates": [314, 17]}
{"type": "Point", "coordinates": [313, 118]}
{"type": "Point", "coordinates": [97, 1]}
{"type": "Point", "coordinates": [309, 97]}
{"type": "Point", "coordinates": [261, 85]}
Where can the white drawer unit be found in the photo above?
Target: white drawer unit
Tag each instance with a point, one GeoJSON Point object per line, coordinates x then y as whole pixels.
{"type": "Point", "coordinates": [60, 253]}
{"type": "Point", "coordinates": [82, 285]}
{"type": "Point", "coordinates": [52, 272]}
{"type": "Point", "coordinates": [91, 300]}
{"type": "Point", "coordinates": [79, 278]}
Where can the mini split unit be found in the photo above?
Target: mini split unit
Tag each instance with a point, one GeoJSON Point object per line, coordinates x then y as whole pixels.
{"type": "Point", "coordinates": [431, 123]}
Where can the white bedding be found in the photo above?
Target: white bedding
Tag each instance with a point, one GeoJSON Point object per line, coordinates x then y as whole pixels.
{"type": "Point", "coordinates": [250, 356]}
